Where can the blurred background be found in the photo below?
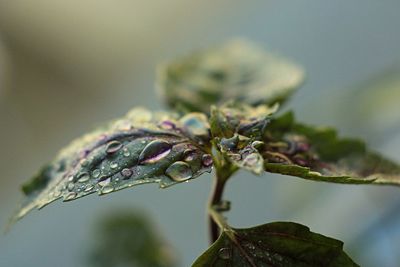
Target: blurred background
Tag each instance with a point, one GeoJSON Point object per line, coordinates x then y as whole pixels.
{"type": "Point", "coordinates": [66, 66]}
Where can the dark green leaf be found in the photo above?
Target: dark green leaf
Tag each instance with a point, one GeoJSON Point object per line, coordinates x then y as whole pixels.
{"type": "Point", "coordinates": [237, 70]}
{"type": "Point", "coordinates": [317, 153]}
{"type": "Point", "coordinates": [279, 244]}
{"type": "Point", "coordinates": [142, 147]}
{"type": "Point", "coordinates": [237, 129]}
{"type": "Point", "coordinates": [129, 239]}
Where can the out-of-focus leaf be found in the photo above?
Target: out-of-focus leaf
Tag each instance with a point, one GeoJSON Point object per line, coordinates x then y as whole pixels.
{"type": "Point", "coordinates": [129, 239]}
{"type": "Point", "coordinates": [142, 147]}
{"type": "Point", "coordinates": [237, 129]}
{"type": "Point", "coordinates": [279, 244]}
{"type": "Point", "coordinates": [317, 153]}
{"type": "Point", "coordinates": [237, 70]}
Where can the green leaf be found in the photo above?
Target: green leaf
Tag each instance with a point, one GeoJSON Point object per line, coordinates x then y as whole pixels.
{"type": "Point", "coordinates": [278, 244]}
{"type": "Point", "coordinates": [317, 153]}
{"type": "Point", "coordinates": [236, 129]}
{"type": "Point", "coordinates": [142, 147]}
{"type": "Point", "coordinates": [129, 239]}
{"type": "Point", "coordinates": [236, 70]}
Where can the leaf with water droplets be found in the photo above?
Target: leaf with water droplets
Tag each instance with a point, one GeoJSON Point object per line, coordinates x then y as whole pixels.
{"type": "Point", "coordinates": [317, 153]}
{"type": "Point", "coordinates": [142, 147]}
{"type": "Point", "coordinates": [237, 130]}
{"type": "Point", "coordinates": [237, 70]}
{"type": "Point", "coordinates": [278, 244]}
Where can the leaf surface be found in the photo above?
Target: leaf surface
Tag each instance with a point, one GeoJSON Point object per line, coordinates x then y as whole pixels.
{"type": "Point", "coordinates": [142, 147]}
{"type": "Point", "coordinates": [237, 129]}
{"type": "Point", "coordinates": [317, 153]}
{"type": "Point", "coordinates": [236, 70]}
{"type": "Point", "coordinates": [278, 244]}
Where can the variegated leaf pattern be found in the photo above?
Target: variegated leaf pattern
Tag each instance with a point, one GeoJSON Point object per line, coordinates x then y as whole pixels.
{"type": "Point", "coordinates": [142, 147]}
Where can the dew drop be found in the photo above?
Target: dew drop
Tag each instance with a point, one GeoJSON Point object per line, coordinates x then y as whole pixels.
{"type": "Point", "coordinates": [71, 186]}
{"type": "Point", "coordinates": [224, 253]}
{"type": "Point", "coordinates": [196, 124]}
{"type": "Point", "coordinates": [114, 165]}
{"type": "Point", "coordinates": [70, 196]}
{"type": "Point", "coordinates": [154, 151]}
{"type": "Point", "coordinates": [88, 188]}
{"type": "Point", "coordinates": [105, 182]}
{"type": "Point", "coordinates": [251, 159]}
{"type": "Point", "coordinates": [179, 171]}
{"type": "Point", "coordinates": [84, 162]}
{"type": "Point", "coordinates": [126, 172]}
{"type": "Point", "coordinates": [70, 178]}
{"type": "Point", "coordinates": [107, 189]}
{"type": "Point", "coordinates": [96, 173]}
{"type": "Point", "coordinates": [113, 146]}
{"type": "Point", "coordinates": [126, 153]}
{"type": "Point", "coordinates": [207, 160]}
{"type": "Point", "coordinates": [167, 125]}
{"type": "Point", "coordinates": [83, 177]}
{"type": "Point", "coordinates": [189, 155]}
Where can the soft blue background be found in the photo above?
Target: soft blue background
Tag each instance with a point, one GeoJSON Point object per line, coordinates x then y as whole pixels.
{"type": "Point", "coordinates": [66, 66]}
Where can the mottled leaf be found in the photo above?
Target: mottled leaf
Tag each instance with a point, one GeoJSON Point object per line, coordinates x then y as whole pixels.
{"type": "Point", "coordinates": [237, 129]}
{"type": "Point", "coordinates": [142, 147]}
{"type": "Point", "coordinates": [237, 70]}
{"type": "Point", "coordinates": [317, 153]}
{"type": "Point", "coordinates": [129, 239]}
{"type": "Point", "coordinates": [279, 244]}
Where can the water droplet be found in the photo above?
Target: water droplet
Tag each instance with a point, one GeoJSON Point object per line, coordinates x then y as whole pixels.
{"type": "Point", "coordinates": [126, 172]}
{"type": "Point", "coordinates": [251, 159]}
{"type": "Point", "coordinates": [179, 171]}
{"type": "Point", "coordinates": [96, 173]}
{"type": "Point", "coordinates": [189, 155]}
{"type": "Point", "coordinates": [83, 177]}
{"type": "Point", "coordinates": [71, 186]}
{"type": "Point", "coordinates": [88, 188]}
{"type": "Point", "coordinates": [107, 189]}
{"type": "Point", "coordinates": [105, 182]}
{"type": "Point", "coordinates": [70, 178]}
{"type": "Point", "coordinates": [154, 151]}
{"type": "Point", "coordinates": [167, 125]}
{"type": "Point", "coordinates": [224, 253]}
{"type": "Point", "coordinates": [57, 193]}
{"type": "Point", "coordinates": [70, 196]}
{"type": "Point", "coordinates": [207, 160]}
{"type": "Point", "coordinates": [196, 124]}
{"type": "Point", "coordinates": [113, 146]}
{"type": "Point", "coordinates": [113, 165]}
{"type": "Point", "coordinates": [84, 162]}
{"type": "Point", "coordinates": [127, 153]}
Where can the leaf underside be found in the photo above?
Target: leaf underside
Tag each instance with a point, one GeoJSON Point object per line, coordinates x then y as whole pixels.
{"type": "Point", "coordinates": [237, 70]}
{"type": "Point", "coordinates": [278, 244]}
{"type": "Point", "coordinates": [142, 147]}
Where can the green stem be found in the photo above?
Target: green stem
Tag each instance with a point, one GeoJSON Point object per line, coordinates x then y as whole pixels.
{"type": "Point", "coordinates": [216, 220]}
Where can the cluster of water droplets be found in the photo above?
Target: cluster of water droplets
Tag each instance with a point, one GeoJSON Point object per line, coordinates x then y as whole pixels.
{"type": "Point", "coordinates": [119, 164]}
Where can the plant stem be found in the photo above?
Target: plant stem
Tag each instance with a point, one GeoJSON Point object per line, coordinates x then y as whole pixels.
{"type": "Point", "coordinates": [216, 221]}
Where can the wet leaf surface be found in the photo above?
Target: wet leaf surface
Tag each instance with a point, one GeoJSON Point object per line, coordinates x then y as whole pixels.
{"type": "Point", "coordinates": [237, 130]}
{"type": "Point", "coordinates": [279, 244]}
{"type": "Point", "coordinates": [236, 70]}
{"type": "Point", "coordinates": [142, 147]}
{"type": "Point", "coordinates": [317, 153]}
